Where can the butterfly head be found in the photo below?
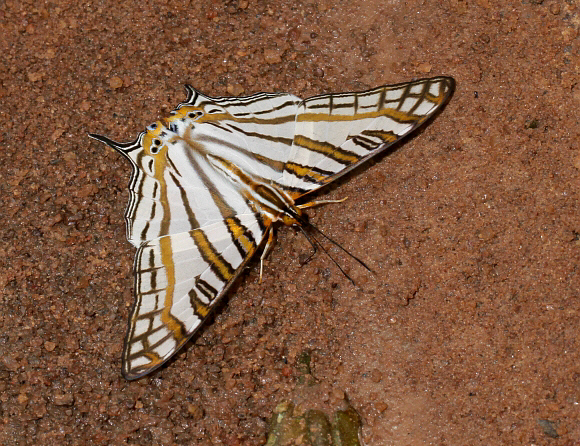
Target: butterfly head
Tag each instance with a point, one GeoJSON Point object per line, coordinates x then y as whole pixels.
{"type": "Point", "coordinates": [277, 205]}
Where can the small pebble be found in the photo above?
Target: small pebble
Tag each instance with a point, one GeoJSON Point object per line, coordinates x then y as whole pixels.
{"type": "Point", "coordinates": [115, 82]}
{"type": "Point", "coordinates": [272, 56]}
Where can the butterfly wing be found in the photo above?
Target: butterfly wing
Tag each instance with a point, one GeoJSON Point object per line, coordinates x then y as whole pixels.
{"type": "Point", "coordinates": [254, 133]}
{"type": "Point", "coordinates": [337, 132]}
{"type": "Point", "coordinates": [174, 188]}
{"type": "Point", "coordinates": [193, 228]}
{"type": "Point", "coordinates": [178, 279]}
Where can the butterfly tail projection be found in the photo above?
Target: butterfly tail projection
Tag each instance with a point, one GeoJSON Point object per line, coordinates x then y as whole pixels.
{"type": "Point", "coordinates": [123, 148]}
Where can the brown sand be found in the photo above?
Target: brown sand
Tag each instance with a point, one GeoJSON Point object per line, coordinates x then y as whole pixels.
{"type": "Point", "coordinates": [468, 332]}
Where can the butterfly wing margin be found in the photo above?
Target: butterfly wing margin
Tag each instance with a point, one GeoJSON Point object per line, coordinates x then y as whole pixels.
{"type": "Point", "coordinates": [178, 280]}
{"type": "Point", "coordinates": [337, 132]}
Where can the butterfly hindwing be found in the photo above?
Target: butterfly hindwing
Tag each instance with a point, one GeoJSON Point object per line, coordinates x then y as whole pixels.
{"type": "Point", "coordinates": [178, 279]}
{"type": "Point", "coordinates": [254, 132]}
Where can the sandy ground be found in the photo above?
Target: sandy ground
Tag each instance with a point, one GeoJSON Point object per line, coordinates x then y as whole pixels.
{"type": "Point", "coordinates": [466, 334]}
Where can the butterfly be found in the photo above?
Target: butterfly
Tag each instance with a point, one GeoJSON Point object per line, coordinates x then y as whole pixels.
{"type": "Point", "coordinates": [211, 182]}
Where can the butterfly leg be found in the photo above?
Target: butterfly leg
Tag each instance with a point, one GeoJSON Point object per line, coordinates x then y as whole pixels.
{"type": "Point", "coordinates": [320, 203]}
{"type": "Point", "coordinates": [267, 249]}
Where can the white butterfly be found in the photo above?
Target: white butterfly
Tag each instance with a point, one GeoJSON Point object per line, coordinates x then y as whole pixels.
{"type": "Point", "coordinates": [210, 182]}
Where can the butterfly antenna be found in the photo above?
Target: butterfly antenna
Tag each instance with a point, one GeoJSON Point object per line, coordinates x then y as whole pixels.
{"type": "Point", "coordinates": [336, 244]}
{"type": "Point", "coordinates": [314, 244]}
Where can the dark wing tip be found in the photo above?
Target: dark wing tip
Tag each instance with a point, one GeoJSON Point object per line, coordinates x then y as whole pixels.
{"type": "Point", "coordinates": [449, 84]}
{"type": "Point", "coordinates": [132, 376]}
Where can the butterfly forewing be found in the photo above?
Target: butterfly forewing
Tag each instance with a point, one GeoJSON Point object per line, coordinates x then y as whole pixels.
{"type": "Point", "coordinates": [337, 132]}
{"type": "Point", "coordinates": [178, 279]}
{"type": "Point", "coordinates": [203, 183]}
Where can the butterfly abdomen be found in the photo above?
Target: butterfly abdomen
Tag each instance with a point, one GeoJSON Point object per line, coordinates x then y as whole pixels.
{"type": "Point", "coordinates": [274, 203]}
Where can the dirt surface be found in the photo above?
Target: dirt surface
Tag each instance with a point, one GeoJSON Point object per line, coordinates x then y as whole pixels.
{"type": "Point", "coordinates": [467, 333]}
